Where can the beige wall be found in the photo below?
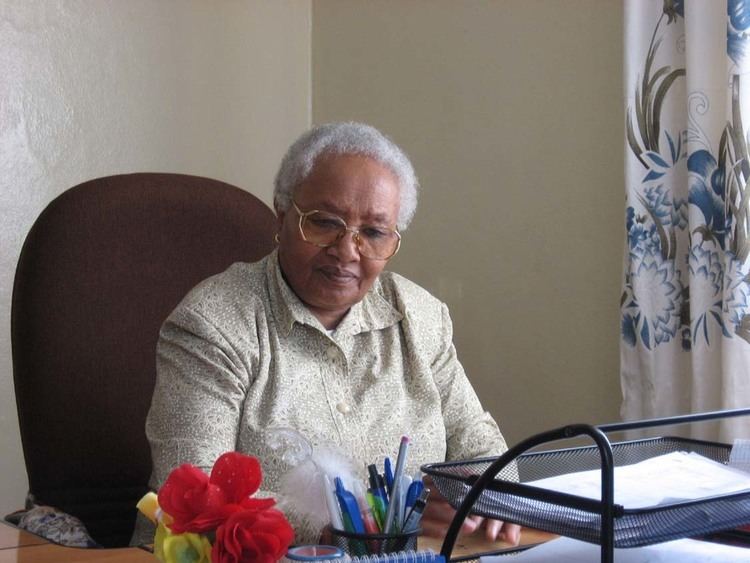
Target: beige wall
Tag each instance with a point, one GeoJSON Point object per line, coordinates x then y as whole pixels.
{"type": "Point", "coordinates": [512, 113]}
{"type": "Point", "coordinates": [92, 88]}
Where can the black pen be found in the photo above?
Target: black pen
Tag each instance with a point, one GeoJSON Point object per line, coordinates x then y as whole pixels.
{"type": "Point", "coordinates": [373, 471]}
{"type": "Point", "coordinates": [376, 485]}
{"type": "Point", "coordinates": [415, 514]}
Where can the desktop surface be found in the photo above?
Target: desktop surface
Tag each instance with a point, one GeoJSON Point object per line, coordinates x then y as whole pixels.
{"type": "Point", "coordinates": [19, 546]}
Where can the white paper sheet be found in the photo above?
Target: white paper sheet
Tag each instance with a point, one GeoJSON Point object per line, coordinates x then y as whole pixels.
{"type": "Point", "coordinates": [739, 457]}
{"type": "Point", "coordinates": [655, 481]}
{"type": "Point", "coordinates": [566, 550]}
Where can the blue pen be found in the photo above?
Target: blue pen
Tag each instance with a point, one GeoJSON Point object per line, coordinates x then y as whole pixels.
{"type": "Point", "coordinates": [388, 476]}
{"type": "Point", "coordinates": [381, 489]}
{"type": "Point", "coordinates": [352, 518]}
{"type": "Point", "coordinates": [414, 490]}
{"type": "Point", "coordinates": [349, 508]}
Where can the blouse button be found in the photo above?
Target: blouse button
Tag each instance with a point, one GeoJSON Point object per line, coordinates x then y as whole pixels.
{"type": "Point", "coordinates": [343, 408]}
{"type": "Point", "coordinates": [332, 352]}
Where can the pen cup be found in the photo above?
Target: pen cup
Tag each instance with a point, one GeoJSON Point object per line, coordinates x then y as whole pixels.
{"type": "Point", "coordinates": [373, 544]}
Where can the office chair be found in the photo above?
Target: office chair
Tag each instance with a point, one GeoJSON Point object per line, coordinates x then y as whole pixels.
{"type": "Point", "coordinates": [100, 270]}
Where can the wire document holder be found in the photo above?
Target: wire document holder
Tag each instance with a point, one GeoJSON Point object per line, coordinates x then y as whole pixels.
{"type": "Point", "coordinates": [490, 487]}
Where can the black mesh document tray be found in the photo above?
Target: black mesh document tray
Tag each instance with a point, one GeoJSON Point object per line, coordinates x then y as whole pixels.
{"type": "Point", "coordinates": [578, 517]}
{"type": "Point", "coordinates": [495, 488]}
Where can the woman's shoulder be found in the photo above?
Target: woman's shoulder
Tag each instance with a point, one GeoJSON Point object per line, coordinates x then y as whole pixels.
{"type": "Point", "coordinates": [241, 286]}
{"type": "Point", "coordinates": [240, 277]}
{"type": "Point", "coordinates": [408, 296]}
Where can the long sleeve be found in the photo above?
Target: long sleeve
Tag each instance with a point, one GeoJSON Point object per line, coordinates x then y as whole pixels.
{"type": "Point", "coordinates": [197, 402]}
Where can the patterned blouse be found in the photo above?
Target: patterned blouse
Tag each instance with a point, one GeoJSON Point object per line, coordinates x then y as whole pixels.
{"type": "Point", "coordinates": [242, 354]}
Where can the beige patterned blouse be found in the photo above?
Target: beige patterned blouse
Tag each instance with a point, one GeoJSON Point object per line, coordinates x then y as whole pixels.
{"type": "Point", "coordinates": [241, 353]}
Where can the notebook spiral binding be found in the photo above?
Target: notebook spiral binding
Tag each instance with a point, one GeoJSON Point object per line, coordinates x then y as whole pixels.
{"type": "Point", "coordinates": [423, 556]}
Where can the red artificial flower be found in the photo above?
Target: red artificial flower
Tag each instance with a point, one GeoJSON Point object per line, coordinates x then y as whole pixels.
{"type": "Point", "coordinates": [238, 475]}
{"type": "Point", "coordinates": [194, 503]}
{"type": "Point", "coordinates": [260, 536]}
{"type": "Point", "coordinates": [199, 503]}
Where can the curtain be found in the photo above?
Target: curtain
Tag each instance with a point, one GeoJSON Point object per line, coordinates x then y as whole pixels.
{"type": "Point", "coordinates": [685, 324]}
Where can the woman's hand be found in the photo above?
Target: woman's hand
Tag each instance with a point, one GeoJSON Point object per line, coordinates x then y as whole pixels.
{"type": "Point", "coordinates": [438, 515]}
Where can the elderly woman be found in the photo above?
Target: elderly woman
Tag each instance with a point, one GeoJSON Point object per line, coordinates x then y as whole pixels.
{"type": "Point", "coordinates": [318, 337]}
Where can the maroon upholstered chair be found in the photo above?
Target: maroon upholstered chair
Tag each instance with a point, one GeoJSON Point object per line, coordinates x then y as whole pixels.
{"type": "Point", "coordinates": [100, 270]}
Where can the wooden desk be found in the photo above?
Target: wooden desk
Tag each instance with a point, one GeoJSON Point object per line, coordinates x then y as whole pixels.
{"type": "Point", "coordinates": [476, 543]}
{"type": "Point", "coordinates": [19, 546]}
{"type": "Point", "coordinates": [11, 537]}
{"type": "Point", "coordinates": [52, 553]}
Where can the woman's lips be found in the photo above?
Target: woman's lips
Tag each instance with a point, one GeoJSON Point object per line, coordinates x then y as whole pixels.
{"type": "Point", "coordinates": [337, 275]}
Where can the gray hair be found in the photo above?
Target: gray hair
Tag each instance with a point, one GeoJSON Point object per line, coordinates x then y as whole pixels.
{"type": "Point", "coordinates": [345, 138]}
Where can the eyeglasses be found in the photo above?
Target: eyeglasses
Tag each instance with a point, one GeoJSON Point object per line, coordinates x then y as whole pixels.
{"type": "Point", "coordinates": [326, 229]}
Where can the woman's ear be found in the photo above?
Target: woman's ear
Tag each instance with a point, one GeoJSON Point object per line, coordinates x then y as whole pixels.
{"type": "Point", "coordinates": [280, 218]}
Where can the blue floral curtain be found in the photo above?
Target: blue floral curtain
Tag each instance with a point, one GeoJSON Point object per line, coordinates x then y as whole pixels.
{"type": "Point", "coordinates": [685, 304]}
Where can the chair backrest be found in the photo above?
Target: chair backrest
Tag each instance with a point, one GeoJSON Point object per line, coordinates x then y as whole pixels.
{"type": "Point", "coordinates": [100, 270]}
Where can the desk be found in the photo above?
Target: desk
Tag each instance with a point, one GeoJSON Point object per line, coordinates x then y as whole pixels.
{"type": "Point", "coordinates": [476, 543]}
{"type": "Point", "coordinates": [19, 546]}
{"type": "Point", "coordinates": [52, 553]}
{"type": "Point", "coordinates": [11, 537]}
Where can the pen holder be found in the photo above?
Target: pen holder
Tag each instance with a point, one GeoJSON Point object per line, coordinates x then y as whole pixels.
{"type": "Point", "coordinates": [374, 544]}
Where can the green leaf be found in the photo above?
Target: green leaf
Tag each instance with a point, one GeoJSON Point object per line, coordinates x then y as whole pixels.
{"type": "Point", "coordinates": [632, 141]}
{"type": "Point", "coordinates": [706, 234]}
{"type": "Point", "coordinates": [655, 78]}
{"type": "Point", "coordinates": [661, 93]}
{"type": "Point", "coordinates": [672, 244]}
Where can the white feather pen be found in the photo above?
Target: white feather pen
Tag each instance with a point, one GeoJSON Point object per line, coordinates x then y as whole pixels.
{"type": "Point", "coordinates": [301, 489]}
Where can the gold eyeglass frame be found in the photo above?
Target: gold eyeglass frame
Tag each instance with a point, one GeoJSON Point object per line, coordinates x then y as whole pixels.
{"type": "Point", "coordinates": [355, 233]}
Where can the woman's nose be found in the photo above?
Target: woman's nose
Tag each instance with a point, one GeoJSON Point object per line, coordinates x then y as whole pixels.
{"type": "Point", "coordinates": [346, 248]}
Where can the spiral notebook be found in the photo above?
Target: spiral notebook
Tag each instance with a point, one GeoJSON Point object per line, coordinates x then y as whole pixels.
{"type": "Point", "coordinates": [423, 556]}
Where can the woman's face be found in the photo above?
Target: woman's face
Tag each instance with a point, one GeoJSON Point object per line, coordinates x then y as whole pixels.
{"type": "Point", "coordinates": [330, 280]}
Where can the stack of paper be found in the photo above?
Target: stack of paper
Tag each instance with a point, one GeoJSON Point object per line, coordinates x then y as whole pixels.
{"type": "Point", "coordinates": [739, 457]}
{"type": "Point", "coordinates": [656, 481]}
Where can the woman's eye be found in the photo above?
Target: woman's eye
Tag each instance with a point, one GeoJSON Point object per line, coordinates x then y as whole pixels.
{"type": "Point", "coordinates": [374, 232]}
{"type": "Point", "coordinates": [322, 223]}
